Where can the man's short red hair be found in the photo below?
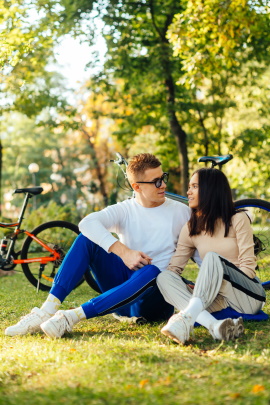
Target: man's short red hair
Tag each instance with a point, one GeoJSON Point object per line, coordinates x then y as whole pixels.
{"type": "Point", "coordinates": [138, 164]}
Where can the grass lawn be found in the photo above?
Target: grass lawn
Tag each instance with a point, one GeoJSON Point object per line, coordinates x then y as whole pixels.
{"type": "Point", "coordinates": [107, 362]}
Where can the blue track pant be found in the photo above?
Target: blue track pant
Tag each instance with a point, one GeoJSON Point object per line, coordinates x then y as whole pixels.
{"type": "Point", "coordinates": [126, 292]}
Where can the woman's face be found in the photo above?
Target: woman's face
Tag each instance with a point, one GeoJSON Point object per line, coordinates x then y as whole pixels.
{"type": "Point", "coordinates": [193, 191]}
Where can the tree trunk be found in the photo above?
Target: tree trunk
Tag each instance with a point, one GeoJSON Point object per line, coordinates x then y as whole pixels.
{"type": "Point", "coordinates": [98, 168]}
{"type": "Point", "coordinates": [175, 127]}
{"type": "Point", "coordinates": [205, 134]}
{"type": "Point", "coordinates": [179, 134]}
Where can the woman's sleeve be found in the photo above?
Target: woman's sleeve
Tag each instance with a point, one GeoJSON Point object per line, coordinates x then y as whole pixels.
{"type": "Point", "coordinates": [244, 238]}
{"type": "Point", "coordinates": [184, 251]}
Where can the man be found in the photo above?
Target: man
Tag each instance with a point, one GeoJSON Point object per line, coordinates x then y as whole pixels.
{"type": "Point", "coordinates": [148, 227]}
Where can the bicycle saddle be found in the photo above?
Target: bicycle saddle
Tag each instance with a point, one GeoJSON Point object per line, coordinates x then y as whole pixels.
{"type": "Point", "coordinates": [216, 160]}
{"type": "Point", "coordinates": [31, 190]}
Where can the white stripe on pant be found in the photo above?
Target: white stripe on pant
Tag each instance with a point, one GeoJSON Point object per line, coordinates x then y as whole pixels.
{"type": "Point", "coordinates": [219, 285]}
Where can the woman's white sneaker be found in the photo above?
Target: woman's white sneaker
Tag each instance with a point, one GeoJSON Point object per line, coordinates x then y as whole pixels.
{"type": "Point", "coordinates": [178, 327]}
{"type": "Point", "coordinates": [29, 323]}
{"type": "Point", "coordinates": [239, 327]}
{"type": "Point", "coordinates": [227, 329]}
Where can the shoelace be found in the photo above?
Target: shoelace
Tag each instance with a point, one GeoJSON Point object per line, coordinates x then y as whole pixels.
{"type": "Point", "coordinates": [63, 326]}
{"type": "Point", "coordinates": [28, 316]}
{"type": "Point", "coordinates": [180, 316]}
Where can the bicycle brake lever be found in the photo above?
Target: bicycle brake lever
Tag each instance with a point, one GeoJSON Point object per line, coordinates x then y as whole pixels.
{"type": "Point", "coordinates": [120, 161]}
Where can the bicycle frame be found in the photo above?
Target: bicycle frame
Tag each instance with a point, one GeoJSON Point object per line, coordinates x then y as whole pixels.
{"type": "Point", "coordinates": [43, 260]}
{"type": "Point", "coordinates": [177, 197]}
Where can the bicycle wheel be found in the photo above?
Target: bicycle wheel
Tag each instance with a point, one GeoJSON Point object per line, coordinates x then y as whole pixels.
{"type": "Point", "coordinates": [259, 211]}
{"type": "Point", "coordinates": [58, 235]}
{"type": "Point", "coordinates": [90, 279]}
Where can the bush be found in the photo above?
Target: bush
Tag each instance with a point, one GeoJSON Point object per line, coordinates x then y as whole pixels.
{"type": "Point", "coordinates": [51, 212]}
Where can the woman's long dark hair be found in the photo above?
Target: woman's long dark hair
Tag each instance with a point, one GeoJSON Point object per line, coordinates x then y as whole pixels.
{"type": "Point", "coordinates": [215, 201]}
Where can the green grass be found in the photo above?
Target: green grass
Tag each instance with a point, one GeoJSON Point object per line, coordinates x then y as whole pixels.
{"type": "Point", "coordinates": [107, 362]}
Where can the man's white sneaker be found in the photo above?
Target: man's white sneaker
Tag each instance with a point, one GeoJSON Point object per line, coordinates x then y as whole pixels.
{"type": "Point", "coordinates": [58, 325]}
{"type": "Point", "coordinates": [29, 323]}
{"type": "Point", "coordinates": [178, 327]}
{"type": "Point", "coordinates": [225, 329]}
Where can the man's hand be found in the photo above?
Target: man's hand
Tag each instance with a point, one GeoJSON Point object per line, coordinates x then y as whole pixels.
{"type": "Point", "coordinates": [133, 259]}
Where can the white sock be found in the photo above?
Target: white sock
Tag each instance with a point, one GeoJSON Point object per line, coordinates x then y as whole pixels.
{"type": "Point", "coordinates": [194, 308]}
{"type": "Point", "coordinates": [77, 314]}
{"type": "Point", "coordinates": [51, 305]}
{"type": "Point", "coordinates": [206, 319]}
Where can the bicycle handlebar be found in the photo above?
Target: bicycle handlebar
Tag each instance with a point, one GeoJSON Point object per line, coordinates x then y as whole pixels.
{"type": "Point", "coordinates": [120, 161]}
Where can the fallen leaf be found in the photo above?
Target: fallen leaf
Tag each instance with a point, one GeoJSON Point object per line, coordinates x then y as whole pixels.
{"type": "Point", "coordinates": [235, 395]}
{"type": "Point", "coordinates": [142, 383]}
{"type": "Point", "coordinates": [164, 381]}
{"type": "Point", "coordinates": [258, 388]}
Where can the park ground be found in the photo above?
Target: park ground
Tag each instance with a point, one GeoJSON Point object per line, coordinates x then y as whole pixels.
{"type": "Point", "coordinates": [107, 362]}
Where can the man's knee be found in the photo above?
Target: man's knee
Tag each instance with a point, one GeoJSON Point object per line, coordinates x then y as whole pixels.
{"type": "Point", "coordinates": [83, 240]}
{"type": "Point", "coordinates": [151, 270]}
{"type": "Point", "coordinates": [85, 244]}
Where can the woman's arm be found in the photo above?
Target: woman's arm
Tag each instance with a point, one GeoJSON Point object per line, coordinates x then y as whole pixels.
{"type": "Point", "coordinates": [244, 238]}
{"type": "Point", "coordinates": [184, 251]}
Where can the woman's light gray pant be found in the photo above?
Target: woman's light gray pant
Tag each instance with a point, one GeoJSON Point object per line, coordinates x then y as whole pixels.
{"type": "Point", "coordinates": [219, 285]}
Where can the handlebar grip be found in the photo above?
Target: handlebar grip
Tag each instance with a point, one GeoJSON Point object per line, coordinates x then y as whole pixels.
{"type": "Point", "coordinates": [121, 160]}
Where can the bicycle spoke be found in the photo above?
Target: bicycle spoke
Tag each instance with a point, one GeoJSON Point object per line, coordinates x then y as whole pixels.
{"type": "Point", "coordinates": [259, 212]}
{"type": "Point", "coordinates": [57, 235]}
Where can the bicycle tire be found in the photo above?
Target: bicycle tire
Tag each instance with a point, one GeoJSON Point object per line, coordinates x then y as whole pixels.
{"type": "Point", "coordinates": [260, 222]}
{"type": "Point", "coordinates": [57, 234]}
{"type": "Point", "coordinates": [90, 279]}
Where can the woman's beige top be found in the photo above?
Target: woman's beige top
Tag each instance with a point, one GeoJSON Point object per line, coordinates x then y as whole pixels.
{"type": "Point", "coordinates": [237, 247]}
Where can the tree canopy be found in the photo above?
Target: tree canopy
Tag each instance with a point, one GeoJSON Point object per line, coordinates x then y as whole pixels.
{"type": "Point", "coordinates": [182, 78]}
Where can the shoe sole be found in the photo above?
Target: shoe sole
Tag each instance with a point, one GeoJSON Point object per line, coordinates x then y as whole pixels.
{"type": "Point", "coordinates": [169, 334]}
{"type": "Point", "coordinates": [239, 328]}
{"type": "Point", "coordinates": [10, 333]}
{"type": "Point", "coordinates": [227, 330]}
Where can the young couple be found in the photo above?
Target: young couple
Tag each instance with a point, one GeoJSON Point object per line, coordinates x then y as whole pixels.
{"type": "Point", "coordinates": [140, 274]}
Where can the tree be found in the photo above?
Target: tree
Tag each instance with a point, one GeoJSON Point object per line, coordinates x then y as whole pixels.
{"type": "Point", "coordinates": [182, 99]}
{"type": "Point", "coordinates": [139, 53]}
{"type": "Point", "coordinates": [71, 149]}
{"type": "Point", "coordinates": [14, 41]}
{"type": "Point", "coordinates": [213, 36]}
{"type": "Point", "coordinates": [214, 42]}
{"type": "Point", "coordinates": [26, 48]}
{"type": "Point", "coordinates": [224, 48]}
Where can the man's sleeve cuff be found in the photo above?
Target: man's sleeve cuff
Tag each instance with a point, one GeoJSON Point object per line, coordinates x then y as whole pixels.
{"type": "Point", "coordinates": [107, 242]}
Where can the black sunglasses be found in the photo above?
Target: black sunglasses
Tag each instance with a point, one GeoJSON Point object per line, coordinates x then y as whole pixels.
{"type": "Point", "coordinates": [157, 182]}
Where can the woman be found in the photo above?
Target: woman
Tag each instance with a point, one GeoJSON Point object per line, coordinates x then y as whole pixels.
{"type": "Point", "coordinates": [227, 275]}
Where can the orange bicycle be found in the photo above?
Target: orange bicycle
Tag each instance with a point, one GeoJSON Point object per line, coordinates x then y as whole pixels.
{"type": "Point", "coordinates": [43, 250]}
